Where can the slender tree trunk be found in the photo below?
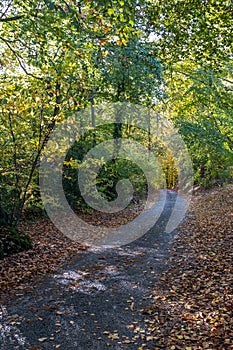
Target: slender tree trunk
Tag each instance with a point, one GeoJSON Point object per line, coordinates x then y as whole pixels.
{"type": "Point", "coordinates": [93, 121]}
{"type": "Point", "coordinates": [37, 157]}
{"type": "Point", "coordinates": [14, 212]}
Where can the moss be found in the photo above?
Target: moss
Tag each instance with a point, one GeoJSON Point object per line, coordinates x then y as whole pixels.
{"type": "Point", "coordinates": [13, 240]}
{"type": "Point", "coordinates": [1, 251]}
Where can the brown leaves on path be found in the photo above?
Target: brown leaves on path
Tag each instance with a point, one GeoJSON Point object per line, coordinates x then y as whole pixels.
{"type": "Point", "coordinates": [51, 249]}
{"type": "Point", "coordinates": [193, 302]}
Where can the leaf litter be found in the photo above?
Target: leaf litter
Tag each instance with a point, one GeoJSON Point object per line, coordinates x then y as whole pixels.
{"type": "Point", "coordinates": [51, 250]}
{"type": "Point", "coordinates": [193, 301]}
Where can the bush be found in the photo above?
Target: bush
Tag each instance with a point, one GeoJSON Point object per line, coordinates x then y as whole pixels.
{"type": "Point", "coordinates": [12, 240]}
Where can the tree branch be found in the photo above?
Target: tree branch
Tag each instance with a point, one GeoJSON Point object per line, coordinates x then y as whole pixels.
{"type": "Point", "coordinates": [18, 58]}
{"type": "Point", "coordinates": [10, 19]}
{"type": "Point", "coordinates": [6, 9]}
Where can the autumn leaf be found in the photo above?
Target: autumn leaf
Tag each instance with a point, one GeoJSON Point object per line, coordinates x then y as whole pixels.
{"type": "Point", "coordinates": [193, 300]}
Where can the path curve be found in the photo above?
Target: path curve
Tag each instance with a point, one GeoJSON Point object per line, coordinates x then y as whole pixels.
{"type": "Point", "coordinates": [96, 302]}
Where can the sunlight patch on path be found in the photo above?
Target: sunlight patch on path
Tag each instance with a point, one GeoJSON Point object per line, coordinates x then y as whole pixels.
{"type": "Point", "coordinates": [77, 281]}
{"type": "Point", "coordinates": [9, 333]}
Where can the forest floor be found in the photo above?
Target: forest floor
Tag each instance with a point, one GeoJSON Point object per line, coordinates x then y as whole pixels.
{"type": "Point", "coordinates": [193, 300]}
{"type": "Point", "coordinates": [50, 250]}
{"type": "Point", "coordinates": [160, 292]}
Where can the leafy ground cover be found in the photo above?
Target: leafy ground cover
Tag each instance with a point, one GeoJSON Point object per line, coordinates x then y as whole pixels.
{"type": "Point", "coordinates": [50, 250]}
{"type": "Point", "coordinates": [192, 305]}
{"type": "Point", "coordinates": [193, 301]}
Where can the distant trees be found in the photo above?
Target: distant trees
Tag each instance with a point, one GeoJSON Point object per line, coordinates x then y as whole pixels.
{"type": "Point", "coordinates": [193, 42]}
{"type": "Point", "coordinates": [58, 57]}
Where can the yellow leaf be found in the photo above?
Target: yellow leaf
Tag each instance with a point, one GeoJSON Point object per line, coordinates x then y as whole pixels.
{"type": "Point", "coordinates": [149, 338]}
{"type": "Point", "coordinates": [132, 306]}
{"type": "Point", "coordinates": [42, 339]}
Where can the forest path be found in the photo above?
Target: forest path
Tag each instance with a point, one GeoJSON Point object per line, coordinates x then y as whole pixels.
{"type": "Point", "coordinates": [95, 303]}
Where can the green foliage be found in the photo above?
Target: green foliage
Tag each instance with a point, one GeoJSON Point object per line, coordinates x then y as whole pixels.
{"type": "Point", "coordinates": [200, 104]}
{"type": "Point", "coordinates": [111, 172]}
{"type": "Point", "coordinates": [195, 30]}
{"type": "Point", "coordinates": [114, 171]}
{"type": "Point", "coordinates": [210, 157]}
{"type": "Point", "coordinates": [13, 241]}
{"type": "Point", "coordinates": [58, 57]}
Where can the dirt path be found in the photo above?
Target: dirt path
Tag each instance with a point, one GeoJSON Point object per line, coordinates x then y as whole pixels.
{"type": "Point", "coordinates": [96, 303]}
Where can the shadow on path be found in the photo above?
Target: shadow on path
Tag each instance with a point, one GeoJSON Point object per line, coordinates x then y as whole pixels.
{"type": "Point", "coordinates": [95, 304]}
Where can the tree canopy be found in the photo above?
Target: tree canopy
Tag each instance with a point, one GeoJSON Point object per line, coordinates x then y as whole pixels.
{"type": "Point", "coordinates": [57, 57]}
